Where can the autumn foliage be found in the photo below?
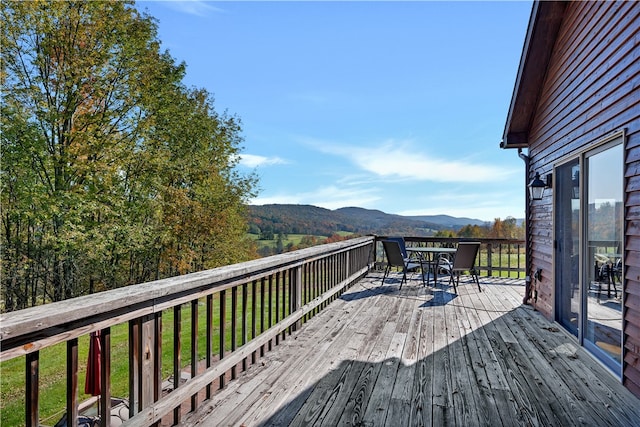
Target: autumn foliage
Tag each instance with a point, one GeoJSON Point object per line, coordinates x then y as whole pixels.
{"type": "Point", "coordinates": [113, 172]}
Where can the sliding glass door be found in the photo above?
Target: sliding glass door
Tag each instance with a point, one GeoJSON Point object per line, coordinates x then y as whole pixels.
{"type": "Point", "coordinates": [589, 250]}
{"type": "Point", "coordinates": [603, 308]}
{"type": "Point", "coordinates": [567, 207]}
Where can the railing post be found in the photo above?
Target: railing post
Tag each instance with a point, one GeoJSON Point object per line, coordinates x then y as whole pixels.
{"type": "Point", "coordinates": [296, 298]}
{"type": "Point", "coordinates": [134, 365]}
{"type": "Point", "coordinates": [105, 376]}
{"type": "Point", "coordinates": [157, 361]}
{"type": "Point", "coordinates": [194, 349]}
{"type": "Point", "coordinates": [347, 264]}
{"type": "Point", "coordinates": [222, 334]}
{"type": "Point", "coordinates": [209, 345]}
{"type": "Point", "coordinates": [489, 256]}
{"type": "Point", "coordinates": [32, 369]}
{"type": "Point", "coordinates": [177, 357]}
{"type": "Point", "coordinates": [146, 362]}
{"type": "Point", "coordinates": [72, 381]}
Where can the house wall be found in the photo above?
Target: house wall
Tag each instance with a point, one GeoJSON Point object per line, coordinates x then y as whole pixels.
{"type": "Point", "coordinates": [592, 89]}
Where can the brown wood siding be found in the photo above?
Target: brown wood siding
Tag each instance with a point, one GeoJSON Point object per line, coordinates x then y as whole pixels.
{"type": "Point", "coordinates": [592, 89]}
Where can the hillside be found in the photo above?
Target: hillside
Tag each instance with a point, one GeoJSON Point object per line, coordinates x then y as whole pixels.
{"type": "Point", "coordinates": [312, 220]}
{"type": "Point", "coordinates": [449, 221]}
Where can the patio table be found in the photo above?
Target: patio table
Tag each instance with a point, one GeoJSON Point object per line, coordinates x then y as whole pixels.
{"type": "Point", "coordinates": [431, 257]}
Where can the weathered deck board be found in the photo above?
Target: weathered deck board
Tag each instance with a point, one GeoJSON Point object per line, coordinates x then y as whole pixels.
{"type": "Point", "coordinates": [423, 356]}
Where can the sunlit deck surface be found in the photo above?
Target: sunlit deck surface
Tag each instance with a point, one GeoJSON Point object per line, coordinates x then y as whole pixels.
{"type": "Point", "coordinates": [424, 356]}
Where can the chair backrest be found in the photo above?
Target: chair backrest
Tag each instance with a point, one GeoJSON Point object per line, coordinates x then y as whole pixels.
{"type": "Point", "coordinates": [466, 255]}
{"type": "Point", "coordinates": [393, 252]}
{"type": "Point", "coordinates": [403, 246]}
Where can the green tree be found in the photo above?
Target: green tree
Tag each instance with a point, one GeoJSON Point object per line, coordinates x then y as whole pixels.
{"type": "Point", "coordinates": [113, 172]}
{"type": "Point", "coordinates": [472, 231]}
{"type": "Point", "coordinates": [279, 244]}
{"type": "Point", "coordinates": [445, 233]}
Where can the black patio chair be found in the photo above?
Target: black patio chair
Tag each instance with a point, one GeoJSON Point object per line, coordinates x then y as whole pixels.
{"type": "Point", "coordinates": [464, 260]}
{"type": "Point", "coordinates": [395, 258]}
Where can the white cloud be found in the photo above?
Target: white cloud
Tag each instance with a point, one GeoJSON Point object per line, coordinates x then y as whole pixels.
{"type": "Point", "coordinates": [330, 197]}
{"type": "Point", "coordinates": [193, 7]}
{"type": "Point", "coordinates": [483, 213]}
{"type": "Point", "coordinates": [402, 160]}
{"type": "Point", "coordinates": [252, 160]}
{"type": "Point", "coordinates": [485, 206]}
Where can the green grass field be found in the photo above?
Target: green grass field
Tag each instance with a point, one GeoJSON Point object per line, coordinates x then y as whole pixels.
{"type": "Point", "coordinates": [293, 239]}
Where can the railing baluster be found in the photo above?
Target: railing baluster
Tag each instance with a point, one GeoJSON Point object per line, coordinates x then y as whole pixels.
{"type": "Point", "coordinates": [177, 358]}
{"type": "Point", "coordinates": [306, 287]}
{"type": "Point", "coordinates": [262, 308]}
{"type": "Point", "coordinates": [209, 357]}
{"type": "Point", "coordinates": [489, 259]}
{"type": "Point", "coordinates": [244, 323]}
{"type": "Point", "coordinates": [223, 321]}
{"type": "Point", "coordinates": [32, 370]}
{"type": "Point", "coordinates": [194, 349]}
{"type": "Point", "coordinates": [277, 303]}
{"type": "Point", "coordinates": [270, 306]}
{"type": "Point", "coordinates": [253, 317]}
{"type": "Point", "coordinates": [316, 283]}
{"type": "Point", "coordinates": [519, 251]}
{"type": "Point", "coordinates": [234, 326]}
{"type": "Point", "coordinates": [297, 294]}
{"type": "Point", "coordinates": [285, 284]}
{"type": "Point", "coordinates": [134, 367]}
{"type": "Point", "coordinates": [105, 376]}
{"type": "Point", "coordinates": [72, 382]}
{"type": "Point", "coordinates": [157, 360]}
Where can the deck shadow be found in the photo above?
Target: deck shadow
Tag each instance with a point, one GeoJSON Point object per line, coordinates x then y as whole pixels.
{"type": "Point", "coordinates": [450, 386]}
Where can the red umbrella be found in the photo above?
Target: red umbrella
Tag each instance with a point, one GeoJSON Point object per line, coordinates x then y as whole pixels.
{"type": "Point", "coordinates": [92, 381]}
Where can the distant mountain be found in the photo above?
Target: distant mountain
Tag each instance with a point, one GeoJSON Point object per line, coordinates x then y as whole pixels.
{"type": "Point", "coordinates": [312, 220]}
{"type": "Point", "coordinates": [448, 221]}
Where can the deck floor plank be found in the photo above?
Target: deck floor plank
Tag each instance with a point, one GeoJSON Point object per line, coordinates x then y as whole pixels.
{"type": "Point", "coordinates": [442, 403]}
{"type": "Point", "coordinates": [379, 402]}
{"type": "Point", "coordinates": [486, 405]}
{"type": "Point", "coordinates": [343, 347]}
{"type": "Point", "coordinates": [422, 356]}
{"type": "Point", "coordinates": [567, 397]}
{"type": "Point", "coordinates": [575, 368]}
{"type": "Point", "coordinates": [421, 407]}
{"type": "Point", "coordinates": [490, 379]}
{"type": "Point", "coordinates": [544, 402]}
{"type": "Point", "coordinates": [463, 393]}
{"type": "Point", "coordinates": [243, 404]}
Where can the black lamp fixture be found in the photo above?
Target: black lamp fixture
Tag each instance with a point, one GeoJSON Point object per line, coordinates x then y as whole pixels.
{"type": "Point", "coordinates": [537, 186]}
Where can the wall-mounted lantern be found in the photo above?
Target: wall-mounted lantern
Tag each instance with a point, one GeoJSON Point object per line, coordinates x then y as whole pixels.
{"type": "Point", "coordinates": [537, 186]}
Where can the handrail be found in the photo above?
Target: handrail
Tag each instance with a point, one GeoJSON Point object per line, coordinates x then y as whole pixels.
{"type": "Point", "coordinates": [304, 281]}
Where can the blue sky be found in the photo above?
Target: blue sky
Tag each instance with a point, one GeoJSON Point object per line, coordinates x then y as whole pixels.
{"type": "Point", "coordinates": [396, 106]}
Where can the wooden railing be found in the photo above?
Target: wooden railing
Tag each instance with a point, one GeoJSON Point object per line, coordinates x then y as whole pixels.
{"type": "Point", "coordinates": [497, 257]}
{"type": "Point", "coordinates": [250, 307]}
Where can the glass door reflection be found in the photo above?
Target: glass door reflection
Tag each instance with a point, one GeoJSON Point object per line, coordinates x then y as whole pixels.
{"type": "Point", "coordinates": [604, 251]}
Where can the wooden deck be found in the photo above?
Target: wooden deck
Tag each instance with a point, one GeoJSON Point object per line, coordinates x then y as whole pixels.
{"type": "Point", "coordinates": [421, 356]}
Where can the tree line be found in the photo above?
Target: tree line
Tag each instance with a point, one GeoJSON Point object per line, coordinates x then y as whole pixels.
{"type": "Point", "coordinates": [507, 228]}
{"type": "Point", "coordinates": [113, 171]}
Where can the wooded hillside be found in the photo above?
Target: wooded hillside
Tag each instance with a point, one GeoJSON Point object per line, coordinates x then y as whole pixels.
{"type": "Point", "coordinates": [312, 220]}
